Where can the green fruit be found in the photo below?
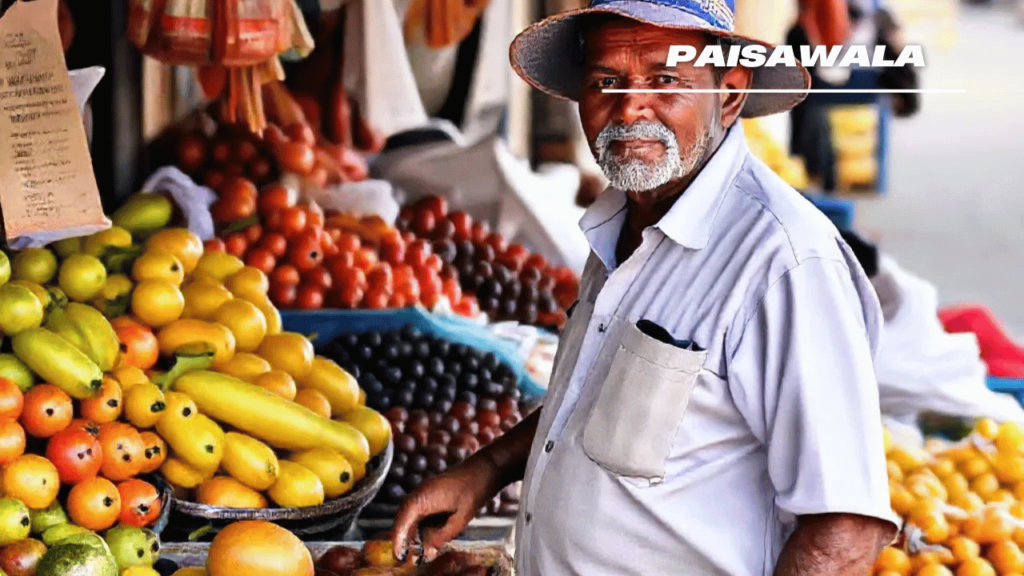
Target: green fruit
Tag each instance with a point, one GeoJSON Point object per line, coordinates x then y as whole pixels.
{"type": "Point", "coordinates": [88, 330]}
{"type": "Point", "coordinates": [20, 309]}
{"type": "Point", "coordinates": [90, 539]}
{"type": "Point", "coordinates": [35, 265]}
{"type": "Point", "coordinates": [51, 536]}
{"type": "Point", "coordinates": [58, 362]}
{"type": "Point", "coordinates": [82, 277]}
{"type": "Point", "coordinates": [43, 520]}
{"type": "Point", "coordinates": [15, 523]}
{"type": "Point", "coordinates": [67, 246]}
{"type": "Point", "coordinates": [15, 370]}
{"type": "Point", "coordinates": [154, 543]}
{"type": "Point", "coordinates": [131, 547]}
{"type": "Point", "coordinates": [76, 560]}
{"type": "Point", "coordinates": [5, 269]}
{"type": "Point", "coordinates": [99, 243]}
{"type": "Point", "coordinates": [145, 213]}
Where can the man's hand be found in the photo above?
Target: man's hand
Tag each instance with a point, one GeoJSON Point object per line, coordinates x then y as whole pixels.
{"type": "Point", "coordinates": [834, 544]}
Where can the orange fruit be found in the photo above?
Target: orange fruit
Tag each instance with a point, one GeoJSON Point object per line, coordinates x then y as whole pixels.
{"type": "Point", "coordinates": [1005, 557]}
{"type": "Point", "coordinates": [33, 480]}
{"type": "Point", "coordinates": [893, 559]}
{"type": "Point", "coordinates": [277, 381]}
{"type": "Point", "coordinates": [123, 451]}
{"type": "Point", "coordinates": [139, 347]}
{"type": "Point", "coordinates": [48, 410]}
{"type": "Point", "coordinates": [315, 401]}
{"type": "Point", "coordinates": [963, 548]}
{"type": "Point", "coordinates": [227, 492]}
{"type": "Point", "coordinates": [94, 504]}
{"type": "Point", "coordinates": [12, 441]}
{"type": "Point", "coordinates": [140, 503]}
{"type": "Point", "coordinates": [975, 567]}
{"type": "Point", "coordinates": [257, 547]}
{"type": "Point", "coordinates": [154, 452]}
{"type": "Point", "coordinates": [12, 401]}
{"type": "Point", "coordinates": [105, 406]}
{"type": "Point", "coordinates": [934, 570]}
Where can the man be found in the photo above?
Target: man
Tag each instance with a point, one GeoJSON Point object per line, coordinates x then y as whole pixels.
{"type": "Point", "coordinates": [713, 407]}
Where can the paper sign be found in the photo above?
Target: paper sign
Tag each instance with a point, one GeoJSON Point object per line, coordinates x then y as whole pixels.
{"type": "Point", "coordinates": [47, 186]}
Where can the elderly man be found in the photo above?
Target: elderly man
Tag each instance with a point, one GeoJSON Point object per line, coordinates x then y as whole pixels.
{"type": "Point", "coordinates": [713, 407]}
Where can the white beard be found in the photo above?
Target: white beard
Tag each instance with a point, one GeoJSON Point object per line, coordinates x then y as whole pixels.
{"type": "Point", "coordinates": [631, 174]}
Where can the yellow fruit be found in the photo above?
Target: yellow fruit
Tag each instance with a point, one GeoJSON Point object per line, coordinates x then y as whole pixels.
{"type": "Point", "coordinates": [943, 467]}
{"type": "Point", "coordinates": [1002, 496]}
{"type": "Point", "coordinates": [31, 479]}
{"type": "Point", "coordinates": [334, 472]}
{"type": "Point", "coordinates": [144, 405]}
{"type": "Point", "coordinates": [179, 473]}
{"type": "Point", "coordinates": [197, 440]}
{"type": "Point", "coordinates": [956, 484]}
{"type": "Point", "coordinates": [987, 428]}
{"type": "Point", "coordinates": [115, 297]}
{"type": "Point", "coordinates": [314, 400]}
{"type": "Point", "coordinates": [66, 247]}
{"type": "Point", "coordinates": [278, 382]}
{"type": "Point", "coordinates": [900, 498]}
{"type": "Point", "coordinates": [192, 571]}
{"type": "Point", "coordinates": [974, 467]}
{"type": "Point", "coordinates": [44, 295]}
{"type": "Point", "coordinates": [128, 376]}
{"type": "Point", "coordinates": [975, 567]}
{"type": "Point", "coordinates": [248, 282]}
{"type": "Point", "coordinates": [331, 380]}
{"type": "Point", "coordinates": [19, 309]}
{"type": "Point", "coordinates": [908, 461]}
{"type": "Point", "coordinates": [179, 405]}
{"type": "Point", "coordinates": [158, 266]}
{"type": "Point", "coordinates": [217, 266]}
{"type": "Point", "coordinates": [288, 351]}
{"type": "Point", "coordinates": [244, 366]}
{"type": "Point", "coordinates": [1005, 557]}
{"type": "Point", "coordinates": [985, 485]}
{"type": "Point", "coordinates": [140, 571]}
{"type": "Point", "coordinates": [89, 331]}
{"type": "Point", "coordinates": [963, 549]}
{"type": "Point", "coordinates": [893, 559]}
{"type": "Point", "coordinates": [34, 265]}
{"type": "Point", "coordinates": [1009, 467]}
{"type": "Point", "coordinates": [189, 330]}
{"type": "Point", "coordinates": [82, 277]}
{"type": "Point", "coordinates": [270, 313]}
{"type": "Point", "coordinates": [249, 461]}
{"type": "Point", "coordinates": [228, 493]}
{"type": "Point", "coordinates": [296, 487]}
{"type": "Point", "coordinates": [245, 321]}
{"type": "Point", "coordinates": [933, 569]}
{"type": "Point", "coordinates": [114, 237]}
{"type": "Point", "coordinates": [157, 303]}
{"type": "Point", "coordinates": [265, 415]}
{"type": "Point", "coordinates": [185, 245]}
{"type": "Point", "coordinates": [371, 424]}
{"type": "Point", "coordinates": [58, 362]}
{"type": "Point", "coordinates": [1010, 439]}
{"type": "Point", "coordinates": [203, 297]}
{"type": "Point", "coordinates": [886, 440]}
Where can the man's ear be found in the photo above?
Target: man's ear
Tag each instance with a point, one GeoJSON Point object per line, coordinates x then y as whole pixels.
{"type": "Point", "coordinates": [738, 78]}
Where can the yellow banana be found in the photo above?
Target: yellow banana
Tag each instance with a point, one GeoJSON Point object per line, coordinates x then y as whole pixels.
{"type": "Point", "coordinates": [269, 417]}
{"type": "Point", "coordinates": [58, 362]}
{"type": "Point", "coordinates": [179, 473]}
{"type": "Point", "coordinates": [87, 329]}
{"type": "Point", "coordinates": [249, 461]}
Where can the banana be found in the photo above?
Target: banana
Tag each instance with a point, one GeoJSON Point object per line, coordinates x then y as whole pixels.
{"type": "Point", "coordinates": [269, 417]}
{"type": "Point", "coordinates": [58, 362]}
{"type": "Point", "coordinates": [249, 461]}
{"type": "Point", "coordinates": [88, 330]}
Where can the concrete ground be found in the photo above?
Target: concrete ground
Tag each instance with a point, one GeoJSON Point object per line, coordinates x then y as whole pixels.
{"type": "Point", "coordinates": [954, 213]}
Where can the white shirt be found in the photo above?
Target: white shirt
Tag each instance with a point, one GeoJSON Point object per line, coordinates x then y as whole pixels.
{"type": "Point", "coordinates": [653, 459]}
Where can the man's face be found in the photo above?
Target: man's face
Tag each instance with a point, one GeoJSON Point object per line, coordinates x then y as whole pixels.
{"type": "Point", "coordinates": [646, 142]}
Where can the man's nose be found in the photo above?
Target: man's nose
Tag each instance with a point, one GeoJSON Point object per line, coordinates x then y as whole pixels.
{"type": "Point", "coordinates": [633, 107]}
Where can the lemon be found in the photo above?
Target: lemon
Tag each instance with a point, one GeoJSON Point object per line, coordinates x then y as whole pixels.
{"type": "Point", "coordinates": [42, 293]}
{"type": "Point", "coordinates": [19, 309]}
{"type": "Point", "coordinates": [35, 265]}
{"type": "Point", "coordinates": [245, 366]}
{"type": "Point", "coordinates": [5, 269]}
{"type": "Point", "coordinates": [217, 266]}
{"type": "Point", "coordinates": [82, 277]}
{"type": "Point", "coordinates": [67, 247]}
{"type": "Point", "coordinates": [158, 265]}
{"type": "Point", "coordinates": [157, 302]}
{"type": "Point", "coordinates": [245, 321]}
{"type": "Point", "coordinates": [186, 246]}
{"type": "Point", "coordinates": [248, 282]}
{"type": "Point", "coordinates": [288, 351]}
{"type": "Point", "coordinates": [114, 237]}
{"type": "Point", "coordinates": [203, 297]}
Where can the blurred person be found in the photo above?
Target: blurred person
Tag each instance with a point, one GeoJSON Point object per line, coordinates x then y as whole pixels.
{"type": "Point", "coordinates": [713, 407]}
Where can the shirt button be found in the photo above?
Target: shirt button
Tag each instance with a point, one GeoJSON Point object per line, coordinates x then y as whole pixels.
{"type": "Point", "coordinates": [601, 327]}
{"type": "Point", "coordinates": [529, 517]}
{"type": "Point", "coordinates": [549, 446]}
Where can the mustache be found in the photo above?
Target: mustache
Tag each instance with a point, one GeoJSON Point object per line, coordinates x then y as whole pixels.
{"type": "Point", "coordinates": [646, 130]}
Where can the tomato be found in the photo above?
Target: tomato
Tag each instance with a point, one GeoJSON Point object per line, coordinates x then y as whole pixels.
{"type": "Point", "coordinates": [340, 261]}
{"type": "Point", "coordinates": [309, 297]}
{"type": "Point", "coordinates": [94, 504]}
{"type": "Point", "coordinates": [417, 253]}
{"type": "Point", "coordinates": [365, 258]}
{"type": "Point", "coordinates": [260, 170]}
{"type": "Point", "coordinates": [314, 215]}
{"type": "Point", "coordinates": [123, 451]}
{"type": "Point", "coordinates": [350, 276]}
{"type": "Point", "coordinates": [299, 132]}
{"type": "Point", "coordinates": [84, 425]}
{"type": "Point", "coordinates": [283, 295]}
{"type": "Point", "coordinates": [397, 300]}
{"type": "Point", "coordinates": [213, 179]}
{"type": "Point", "coordinates": [155, 452]}
{"type": "Point", "coordinates": [254, 233]}
{"type": "Point", "coordinates": [245, 152]}
{"type": "Point", "coordinates": [285, 274]}
{"type": "Point", "coordinates": [261, 259]}
{"type": "Point", "coordinates": [139, 346]}
{"type": "Point", "coordinates": [407, 213]}
{"type": "Point", "coordinates": [434, 262]}
{"type": "Point", "coordinates": [238, 190]}
{"type": "Point", "coordinates": [214, 245]}
{"type": "Point", "coordinates": [463, 225]}
{"type": "Point", "coordinates": [105, 406]}
{"type": "Point", "coordinates": [275, 197]}
{"type": "Point", "coordinates": [276, 243]}
{"type": "Point", "coordinates": [498, 242]}
{"type": "Point", "coordinates": [48, 410]}
{"type": "Point", "coordinates": [467, 306]}
{"type": "Point", "coordinates": [192, 152]}
{"type": "Point", "coordinates": [305, 253]}
{"type": "Point", "coordinates": [436, 205]}
{"type": "Point", "coordinates": [319, 277]}
{"type": "Point", "coordinates": [330, 250]}
{"type": "Point", "coordinates": [236, 244]}
{"type": "Point", "coordinates": [452, 290]}
{"type": "Point", "coordinates": [12, 401]}
{"type": "Point", "coordinates": [293, 221]}
{"type": "Point", "coordinates": [393, 252]}
{"type": "Point", "coordinates": [221, 152]}
{"type": "Point", "coordinates": [381, 279]}
{"type": "Point", "coordinates": [12, 441]}
{"type": "Point", "coordinates": [236, 201]}
{"type": "Point", "coordinates": [274, 135]}
{"type": "Point", "coordinates": [424, 223]}
{"type": "Point", "coordinates": [334, 232]}
{"type": "Point", "coordinates": [514, 257]}
{"type": "Point", "coordinates": [296, 158]}
{"type": "Point", "coordinates": [350, 296]}
{"type": "Point", "coordinates": [140, 503]}
{"type": "Point", "coordinates": [77, 455]}
{"type": "Point", "coordinates": [376, 300]}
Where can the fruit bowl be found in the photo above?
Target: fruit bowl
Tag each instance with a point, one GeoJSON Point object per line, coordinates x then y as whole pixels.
{"type": "Point", "coordinates": [334, 516]}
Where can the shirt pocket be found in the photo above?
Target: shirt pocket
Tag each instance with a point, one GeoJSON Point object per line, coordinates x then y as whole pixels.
{"type": "Point", "coordinates": [632, 426]}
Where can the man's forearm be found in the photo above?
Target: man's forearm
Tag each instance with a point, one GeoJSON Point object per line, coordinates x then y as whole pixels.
{"type": "Point", "coordinates": [509, 453]}
{"type": "Point", "coordinates": [834, 545]}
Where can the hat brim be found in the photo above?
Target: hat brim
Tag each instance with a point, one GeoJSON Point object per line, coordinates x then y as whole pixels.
{"type": "Point", "coordinates": [548, 55]}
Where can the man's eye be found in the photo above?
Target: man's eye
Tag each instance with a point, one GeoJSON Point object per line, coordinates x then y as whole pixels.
{"type": "Point", "coordinates": [606, 82]}
{"type": "Point", "coordinates": [665, 79]}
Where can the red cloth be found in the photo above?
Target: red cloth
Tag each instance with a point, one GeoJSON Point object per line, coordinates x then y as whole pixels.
{"type": "Point", "coordinates": [827, 22]}
{"type": "Point", "coordinates": [1004, 356]}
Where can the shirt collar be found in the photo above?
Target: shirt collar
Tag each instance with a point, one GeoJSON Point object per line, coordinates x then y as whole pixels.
{"type": "Point", "coordinates": [691, 219]}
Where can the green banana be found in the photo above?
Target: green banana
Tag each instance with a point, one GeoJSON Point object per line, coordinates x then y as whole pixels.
{"type": "Point", "coordinates": [88, 330]}
{"type": "Point", "coordinates": [58, 362]}
{"type": "Point", "coordinates": [145, 213]}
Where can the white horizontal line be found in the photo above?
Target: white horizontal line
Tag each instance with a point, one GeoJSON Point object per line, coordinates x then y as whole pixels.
{"type": "Point", "coordinates": [786, 91]}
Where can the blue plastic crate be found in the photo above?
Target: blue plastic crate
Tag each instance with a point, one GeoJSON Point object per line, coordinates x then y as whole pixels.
{"type": "Point", "coordinates": [329, 324]}
{"type": "Point", "coordinates": [1012, 386]}
{"type": "Point", "coordinates": [839, 211]}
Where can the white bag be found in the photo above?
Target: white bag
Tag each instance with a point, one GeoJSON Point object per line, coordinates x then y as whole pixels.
{"type": "Point", "coordinates": [193, 199]}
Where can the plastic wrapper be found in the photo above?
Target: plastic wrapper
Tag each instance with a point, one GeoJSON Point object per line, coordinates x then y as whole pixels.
{"type": "Point", "coordinates": [194, 200]}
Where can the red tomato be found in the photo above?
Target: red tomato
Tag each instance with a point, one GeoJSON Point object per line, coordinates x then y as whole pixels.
{"type": "Point", "coordinates": [498, 242]}
{"type": "Point", "coordinates": [348, 241]}
{"type": "Point", "coordinates": [77, 455]}
{"type": "Point", "coordinates": [434, 262]}
{"type": "Point", "coordinates": [417, 253]}
{"type": "Point", "coordinates": [261, 259]}
{"type": "Point", "coordinates": [314, 215]}
{"type": "Point", "coordinates": [514, 257]}
{"type": "Point", "coordinates": [318, 277]}
{"type": "Point", "coordinates": [350, 276]}
{"type": "Point", "coordinates": [214, 245]}
{"type": "Point", "coordinates": [463, 225]}
{"type": "Point", "coordinates": [275, 243]}
{"type": "Point", "coordinates": [330, 251]}
{"type": "Point", "coordinates": [381, 279]}
{"type": "Point", "coordinates": [285, 274]}
{"type": "Point", "coordinates": [376, 300]}
{"type": "Point", "coordinates": [309, 297]}
{"type": "Point", "coordinates": [424, 223]}
{"type": "Point", "coordinates": [12, 401]}
{"type": "Point", "coordinates": [334, 232]}
{"type": "Point", "coordinates": [366, 258]}
{"type": "Point", "coordinates": [436, 205]}
{"type": "Point", "coordinates": [305, 253]}
{"type": "Point", "coordinates": [293, 221]}
{"type": "Point", "coordinates": [536, 261]}
{"type": "Point", "coordinates": [275, 197]}
{"type": "Point", "coordinates": [393, 252]}
{"type": "Point", "coordinates": [480, 231]}
{"type": "Point", "coordinates": [140, 503]}
{"type": "Point", "coordinates": [236, 244]}
{"type": "Point", "coordinates": [283, 295]}
{"type": "Point", "coordinates": [398, 300]}
{"type": "Point", "coordinates": [254, 233]}
{"type": "Point", "coordinates": [340, 261]}
{"type": "Point", "coordinates": [349, 296]}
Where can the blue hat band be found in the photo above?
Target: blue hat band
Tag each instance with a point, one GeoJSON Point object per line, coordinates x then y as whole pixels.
{"type": "Point", "coordinates": [717, 13]}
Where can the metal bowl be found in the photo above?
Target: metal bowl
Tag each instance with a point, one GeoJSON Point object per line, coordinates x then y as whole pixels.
{"type": "Point", "coordinates": [333, 516]}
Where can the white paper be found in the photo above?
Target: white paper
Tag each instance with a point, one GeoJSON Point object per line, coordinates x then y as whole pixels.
{"type": "Point", "coordinates": [194, 200]}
